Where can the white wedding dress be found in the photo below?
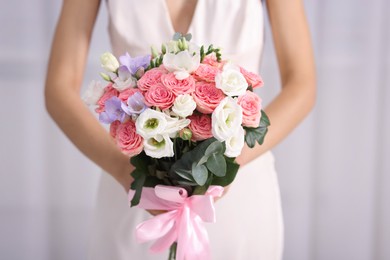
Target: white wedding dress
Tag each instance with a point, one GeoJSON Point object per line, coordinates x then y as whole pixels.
{"type": "Point", "coordinates": [249, 217]}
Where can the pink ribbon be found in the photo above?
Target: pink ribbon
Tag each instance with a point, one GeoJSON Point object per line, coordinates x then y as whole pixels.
{"type": "Point", "coordinates": [183, 221]}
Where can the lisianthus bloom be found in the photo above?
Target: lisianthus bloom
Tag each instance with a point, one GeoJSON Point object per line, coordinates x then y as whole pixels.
{"type": "Point", "coordinates": [226, 119]}
{"type": "Point", "coordinates": [151, 123]}
{"type": "Point", "coordinates": [235, 143]}
{"type": "Point", "coordinates": [159, 146]}
{"type": "Point", "coordinates": [181, 64]}
{"type": "Point", "coordinates": [135, 104]}
{"type": "Point", "coordinates": [113, 111]}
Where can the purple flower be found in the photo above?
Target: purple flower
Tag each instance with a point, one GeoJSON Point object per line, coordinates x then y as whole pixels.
{"type": "Point", "coordinates": [133, 64]}
{"type": "Point", "coordinates": [135, 104]}
{"type": "Point", "coordinates": [113, 111]}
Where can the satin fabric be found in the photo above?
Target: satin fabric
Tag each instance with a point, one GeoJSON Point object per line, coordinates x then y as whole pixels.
{"type": "Point", "coordinates": [249, 217]}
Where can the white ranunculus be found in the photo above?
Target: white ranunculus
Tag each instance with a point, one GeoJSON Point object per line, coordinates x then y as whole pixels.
{"type": "Point", "coordinates": [181, 64]}
{"type": "Point", "coordinates": [93, 93]}
{"type": "Point", "coordinates": [109, 62]}
{"type": "Point", "coordinates": [159, 146]}
{"type": "Point", "coordinates": [151, 123]}
{"type": "Point", "coordinates": [226, 119]}
{"type": "Point", "coordinates": [121, 85]}
{"type": "Point", "coordinates": [231, 81]}
{"type": "Point", "coordinates": [235, 143]}
{"type": "Point", "coordinates": [184, 105]}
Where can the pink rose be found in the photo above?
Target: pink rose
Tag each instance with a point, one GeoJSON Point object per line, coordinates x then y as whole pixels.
{"type": "Point", "coordinates": [159, 96]}
{"type": "Point", "coordinates": [200, 127]}
{"type": "Point", "coordinates": [253, 79]}
{"type": "Point", "coordinates": [127, 139]}
{"type": "Point", "coordinates": [251, 109]}
{"type": "Point", "coordinates": [207, 97]}
{"type": "Point", "coordinates": [206, 72]}
{"type": "Point", "coordinates": [113, 127]}
{"type": "Point", "coordinates": [150, 78]}
{"type": "Point", "coordinates": [211, 60]}
{"type": "Point", "coordinates": [178, 87]}
{"type": "Point", "coordinates": [124, 95]}
{"type": "Point", "coordinates": [109, 92]}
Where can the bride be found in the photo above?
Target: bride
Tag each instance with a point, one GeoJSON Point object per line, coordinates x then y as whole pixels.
{"type": "Point", "coordinates": [249, 224]}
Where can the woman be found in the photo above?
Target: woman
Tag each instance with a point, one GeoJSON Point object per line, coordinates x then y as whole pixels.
{"type": "Point", "coordinates": [249, 222]}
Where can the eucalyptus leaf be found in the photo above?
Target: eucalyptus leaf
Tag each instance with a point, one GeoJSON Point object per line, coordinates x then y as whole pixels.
{"type": "Point", "coordinates": [183, 166]}
{"type": "Point", "coordinates": [215, 147]}
{"type": "Point", "coordinates": [231, 172]}
{"type": "Point", "coordinates": [217, 164]}
{"type": "Point", "coordinates": [200, 173]}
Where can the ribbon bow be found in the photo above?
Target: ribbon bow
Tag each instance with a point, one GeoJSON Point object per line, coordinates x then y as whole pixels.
{"type": "Point", "coordinates": [183, 221]}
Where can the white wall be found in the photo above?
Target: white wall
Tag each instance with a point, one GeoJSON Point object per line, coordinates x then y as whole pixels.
{"type": "Point", "coordinates": [333, 169]}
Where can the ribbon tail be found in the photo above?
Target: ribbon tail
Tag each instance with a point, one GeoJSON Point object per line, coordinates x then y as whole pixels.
{"type": "Point", "coordinates": [156, 227]}
{"type": "Point", "coordinates": [164, 242]}
{"type": "Point", "coordinates": [198, 247]}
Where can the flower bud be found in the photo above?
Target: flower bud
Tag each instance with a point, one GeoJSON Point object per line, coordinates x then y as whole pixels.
{"type": "Point", "coordinates": [163, 49]}
{"type": "Point", "coordinates": [109, 62]}
{"type": "Point", "coordinates": [185, 44]}
{"type": "Point", "coordinates": [185, 134]}
{"type": "Point", "coordinates": [154, 52]}
{"type": "Point", "coordinates": [105, 76]}
{"type": "Point", "coordinates": [140, 72]}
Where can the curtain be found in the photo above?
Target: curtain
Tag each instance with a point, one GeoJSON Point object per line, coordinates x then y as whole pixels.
{"type": "Point", "coordinates": [333, 169]}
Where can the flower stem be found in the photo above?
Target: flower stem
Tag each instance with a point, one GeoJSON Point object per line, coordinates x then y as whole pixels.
{"type": "Point", "coordinates": [172, 251]}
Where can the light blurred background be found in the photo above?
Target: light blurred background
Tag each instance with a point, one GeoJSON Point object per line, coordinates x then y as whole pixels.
{"type": "Point", "coordinates": [334, 169]}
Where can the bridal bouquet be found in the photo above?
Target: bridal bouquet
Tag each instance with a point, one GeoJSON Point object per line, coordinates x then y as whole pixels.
{"type": "Point", "coordinates": [183, 115]}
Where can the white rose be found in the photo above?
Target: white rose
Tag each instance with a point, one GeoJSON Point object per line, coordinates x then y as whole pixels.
{"type": "Point", "coordinates": [184, 105]}
{"type": "Point", "coordinates": [109, 62]}
{"type": "Point", "coordinates": [151, 123]}
{"type": "Point", "coordinates": [159, 146]}
{"type": "Point", "coordinates": [181, 64]}
{"type": "Point", "coordinates": [121, 85]}
{"type": "Point", "coordinates": [235, 143]}
{"type": "Point", "coordinates": [226, 119]}
{"type": "Point", "coordinates": [93, 93]}
{"type": "Point", "coordinates": [231, 81]}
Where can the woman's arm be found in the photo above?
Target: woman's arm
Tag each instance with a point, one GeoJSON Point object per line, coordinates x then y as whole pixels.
{"type": "Point", "coordinates": [297, 71]}
{"type": "Point", "coordinates": [62, 91]}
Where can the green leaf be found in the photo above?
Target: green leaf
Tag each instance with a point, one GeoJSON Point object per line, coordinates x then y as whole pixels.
{"type": "Point", "coordinates": [231, 172]}
{"type": "Point", "coordinates": [217, 164]}
{"type": "Point", "coordinates": [183, 166]}
{"type": "Point", "coordinates": [200, 173]}
{"type": "Point", "coordinates": [264, 121]}
{"type": "Point", "coordinates": [137, 184]}
{"type": "Point", "coordinates": [185, 174]}
{"type": "Point", "coordinates": [257, 134]}
{"type": "Point", "coordinates": [152, 181]}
